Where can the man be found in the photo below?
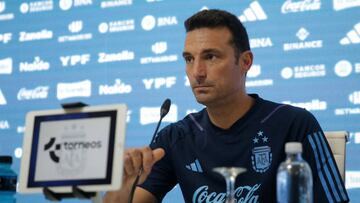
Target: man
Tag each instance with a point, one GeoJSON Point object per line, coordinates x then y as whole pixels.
{"type": "Point", "coordinates": [235, 129]}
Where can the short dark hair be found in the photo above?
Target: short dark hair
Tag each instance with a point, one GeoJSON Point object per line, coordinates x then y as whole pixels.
{"type": "Point", "coordinates": [215, 18]}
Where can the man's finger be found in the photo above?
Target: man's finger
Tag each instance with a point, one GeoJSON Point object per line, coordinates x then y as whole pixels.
{"type": "Point", "coordinates": [158, 154]}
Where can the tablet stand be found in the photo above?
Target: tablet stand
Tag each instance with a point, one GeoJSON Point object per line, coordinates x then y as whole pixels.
{"type": "Point", "coordinates": [76, 192]}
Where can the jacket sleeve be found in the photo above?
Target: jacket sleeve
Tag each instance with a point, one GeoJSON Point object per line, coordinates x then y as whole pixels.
{"type": "Point", "coordinates": [162, 177]}
{"type": "Point", "coordinates": [327, 183]}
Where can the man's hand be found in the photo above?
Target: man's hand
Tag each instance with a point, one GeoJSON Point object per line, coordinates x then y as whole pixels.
{"type": "Point", "coordinates": [134, 160]}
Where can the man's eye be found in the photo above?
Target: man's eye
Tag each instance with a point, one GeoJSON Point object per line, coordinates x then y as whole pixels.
{"type": "Point", "coordinates": [210, 56]}
{"type": "Point", "coordinates": [188, 59]}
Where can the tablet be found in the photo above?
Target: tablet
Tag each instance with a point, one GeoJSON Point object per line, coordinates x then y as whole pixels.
{"type": "Point", "coordinates": [73, 147]}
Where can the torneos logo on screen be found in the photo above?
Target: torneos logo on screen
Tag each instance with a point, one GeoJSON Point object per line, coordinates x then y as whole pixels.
{"type": "Point", "coordinates": [70, 146]}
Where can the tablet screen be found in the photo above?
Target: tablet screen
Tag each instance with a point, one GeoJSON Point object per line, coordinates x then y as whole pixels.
{"type": "Point", "coordinates": [72, 149]}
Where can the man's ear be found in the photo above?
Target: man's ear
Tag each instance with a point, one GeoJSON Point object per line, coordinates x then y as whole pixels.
{"type": "Point", "coordinates": [246, 60]}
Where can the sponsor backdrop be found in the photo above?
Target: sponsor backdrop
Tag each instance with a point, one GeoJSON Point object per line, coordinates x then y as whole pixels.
{"type": "Point", "coordinates": [124, 51]}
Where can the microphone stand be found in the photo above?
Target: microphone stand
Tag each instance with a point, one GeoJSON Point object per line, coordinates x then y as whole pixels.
{"type": "Point", "coordinates": [165, 107]}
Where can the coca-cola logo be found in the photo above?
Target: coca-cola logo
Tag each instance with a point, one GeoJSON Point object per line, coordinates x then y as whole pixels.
{"type": "Point", "coordinates": [40, 92]}
{"type": "Point", "coordinates": [300, 6]}
{"type": "Point", "coordinates": [242, 194]}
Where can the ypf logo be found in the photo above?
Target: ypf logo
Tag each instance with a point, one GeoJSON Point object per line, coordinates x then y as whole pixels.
{"type": "Point", "coordinates": [52, 153]}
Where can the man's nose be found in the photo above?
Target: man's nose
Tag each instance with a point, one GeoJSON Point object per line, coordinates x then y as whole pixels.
{"type": "Point", "coordinates": [199, 69]}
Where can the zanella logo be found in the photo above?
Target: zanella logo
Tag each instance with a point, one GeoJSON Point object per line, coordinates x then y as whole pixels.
{"type": "Point", "coordinates": [313, 105]}
{"type": "Point", "coordinates": [6, 66]}
{"type": "Point", "coordinates": [75, 89]}
{"type": "Point", "coordinates": [290, 6]}
{"type": "Point", "coordinates": [37, 65]}
{"type": "Point", "coordinates": [242, 194]}
{"type": "Point", "coordinates": [113, 57]}
{"type": "Point", "coordinates": [40, 92]}
{"type": "Point", "coordinates": [345, 4]}
{"type": "Point", "coordinates": [31, 36]}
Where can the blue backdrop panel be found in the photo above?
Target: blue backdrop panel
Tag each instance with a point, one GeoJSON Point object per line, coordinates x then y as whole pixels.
{"type": "Point", "coordinates": [124, 51]}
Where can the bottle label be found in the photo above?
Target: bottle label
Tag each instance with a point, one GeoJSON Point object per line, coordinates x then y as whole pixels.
{"type": "Point", "coordinates": [8, 183]}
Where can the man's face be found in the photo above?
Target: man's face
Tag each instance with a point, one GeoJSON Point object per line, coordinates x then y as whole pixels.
{"type": "Point", "coordinates": [216, 76]}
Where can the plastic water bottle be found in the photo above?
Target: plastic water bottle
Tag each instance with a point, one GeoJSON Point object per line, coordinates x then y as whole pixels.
{"type": "Point", "coordinates": [7, 180]}
{"type": "Point", "coordinates": [294, 183]}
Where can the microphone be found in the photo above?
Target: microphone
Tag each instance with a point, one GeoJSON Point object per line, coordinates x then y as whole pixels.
{"type": "Point", "coordinates": [164, 110]}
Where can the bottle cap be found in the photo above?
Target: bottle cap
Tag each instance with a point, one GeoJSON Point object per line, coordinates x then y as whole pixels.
{"type": "Point", "coordinates": [6, 159]}
{"type": "Point", "coordinates": [293, 147]}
